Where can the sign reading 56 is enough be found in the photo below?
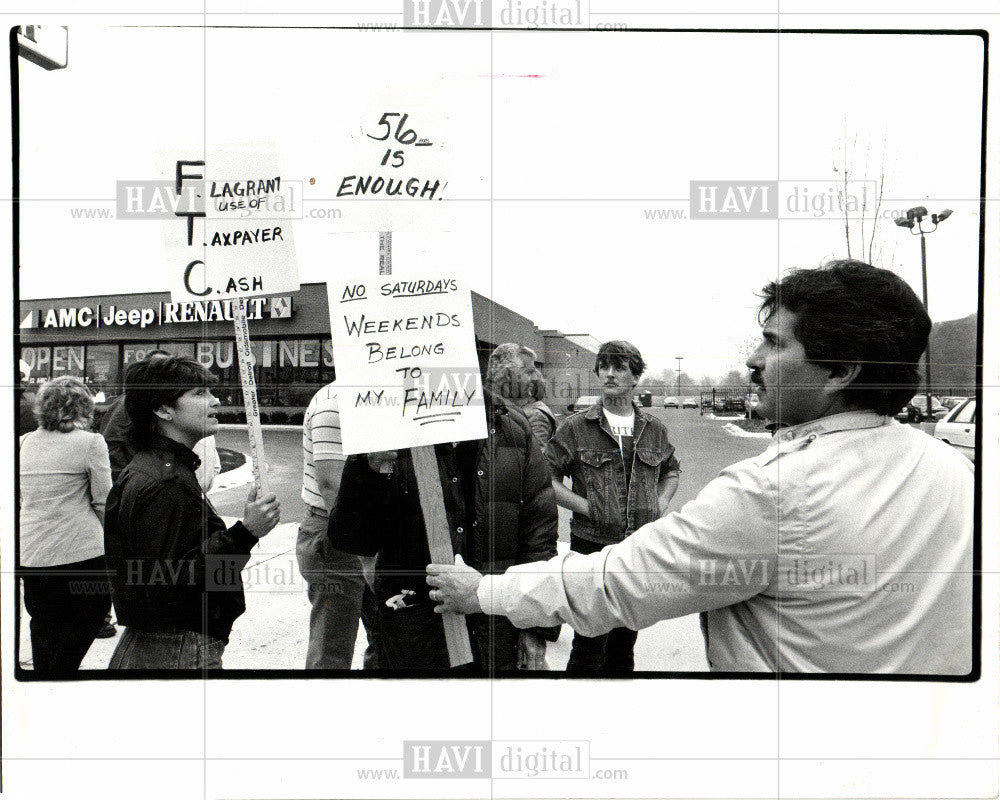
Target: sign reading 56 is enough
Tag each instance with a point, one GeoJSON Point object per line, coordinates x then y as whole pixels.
{"type": "Point", "coordinates": [407, 370]}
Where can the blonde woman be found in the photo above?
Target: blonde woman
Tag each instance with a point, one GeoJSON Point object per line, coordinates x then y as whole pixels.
{"type": "Point", "coordinates": [511, 373]}
{"type": "Point", "coordinates": [65, 479]}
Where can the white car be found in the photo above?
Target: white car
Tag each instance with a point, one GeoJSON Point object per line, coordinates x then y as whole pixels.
{"type": "Point", "coordinates": [959, 428]}
{"type": "Point", "coordinates": [583, 403]}
{"type": "Point", "coordinates": [671, 402]}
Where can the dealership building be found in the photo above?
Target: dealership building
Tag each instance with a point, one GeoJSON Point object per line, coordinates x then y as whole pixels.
{"type": "Point", "coordinates": [95, 338]}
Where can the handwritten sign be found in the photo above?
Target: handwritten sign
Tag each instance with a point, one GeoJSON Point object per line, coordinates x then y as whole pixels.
{"type": "Point", "coordinates": [395, 139]}
{"type": "Point", "coordinates": [230, 234]}
{"type": "Point", "coordinates": [406, 362]}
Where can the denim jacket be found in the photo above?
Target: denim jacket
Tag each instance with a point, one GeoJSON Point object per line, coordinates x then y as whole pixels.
{"type": "Point", "coordinates": [584, 448]}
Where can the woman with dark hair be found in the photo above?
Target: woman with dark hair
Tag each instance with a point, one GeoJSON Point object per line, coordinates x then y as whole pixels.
{"type": "Point", "coordinates": [174, 565]}
{"type": "Point", "coordinates": [65, 479]}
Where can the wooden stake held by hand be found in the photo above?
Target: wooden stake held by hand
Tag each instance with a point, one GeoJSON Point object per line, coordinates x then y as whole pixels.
{"type": "Point", "coordinates": [245, 357]}
{"type": "Point", "coordinates": [432, 505]}
{"type": "Point", "coordinates": [425, 465]}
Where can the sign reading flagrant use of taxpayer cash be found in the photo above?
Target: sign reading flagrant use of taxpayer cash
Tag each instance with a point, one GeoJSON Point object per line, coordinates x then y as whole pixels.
{"type": "Point", "coordinates": [228, 228]}
{"type": "Point", "coordinates": [407, 370]}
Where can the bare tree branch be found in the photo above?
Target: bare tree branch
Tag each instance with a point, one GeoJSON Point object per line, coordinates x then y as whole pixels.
{"type": "Point", "coordinates": [846, 156]}
{"type": "Point", "coordinates": [878, 207]}
{"type": "Point", "coordinates": [843, 203]}
{"type": "Point", "coordinates": [863, 209]}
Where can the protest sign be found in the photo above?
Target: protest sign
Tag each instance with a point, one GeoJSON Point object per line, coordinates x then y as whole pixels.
{"type": "Point", "coordinates": [230, 234]}
{"type": "Point", "coordinates": [231, 238]}
{"type": "Point", "coordinates": [406, 362]}
{"type": "Point", "coordinates": [388, 400]}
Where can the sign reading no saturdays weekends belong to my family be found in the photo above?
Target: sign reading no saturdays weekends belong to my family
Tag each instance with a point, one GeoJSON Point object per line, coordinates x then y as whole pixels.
{"type": "Point", "coordinates": [229, 233]}
{"type": "Point", "coordinates": [407, 369]}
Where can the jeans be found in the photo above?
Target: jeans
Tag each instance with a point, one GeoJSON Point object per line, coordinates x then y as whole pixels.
{"type": "Point", "coordinates": [175, 649]}
{"type": "Point", "coordinates": [67, 604]}
{"type": "Point", "coordinates": [340, 592]}
{"type": "Point", "coordinates": [609, 654]}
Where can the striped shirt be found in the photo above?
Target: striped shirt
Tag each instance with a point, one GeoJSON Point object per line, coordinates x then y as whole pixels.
{"type": "Point", "coordinates": [320, 441]}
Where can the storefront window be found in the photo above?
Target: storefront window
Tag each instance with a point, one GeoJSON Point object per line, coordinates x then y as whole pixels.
{"type": "Point", "coordinates": [218, 356]}
{"type": "Point", "coordinates": [39, 361]}
{"type": "Point", "coordinates": [265, 371]}
{"type": "Point", "coordinates": [298, 370]}
{"type": "Point", "coordinates": [227, 369]}
{"type": "Point", "coordinates": [137, 351]}
{"type": "Point", "coordinates": [185, 349]}
{"type": "Point", "coordinates": [68, 361]}
{"type": "Point", "coordinates": [288, 372]}
{"type": "Point", "coordinates": [102, 375]}
{"type": "Point", "coordinates": [328, 371]}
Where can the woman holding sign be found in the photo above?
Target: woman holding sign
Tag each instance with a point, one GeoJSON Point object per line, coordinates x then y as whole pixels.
{"type": "Point", "coordinates": [174, 566]}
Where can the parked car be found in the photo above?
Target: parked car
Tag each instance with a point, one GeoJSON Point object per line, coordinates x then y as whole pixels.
{"type": "Point", "coordinates": [689, 402]}
{"type": "Point", "coordinates": [916, 410]}
{"type": "Point", "coordinates": [729, 404]}
{"type": "Point", "coordinates": [583, 402]}
{"type": "Point", "coordinates": [951, 402]}
{"type": "Point", "coordinates": [671, 402]}
{"type": "Point", "coordinates": [959, 428]}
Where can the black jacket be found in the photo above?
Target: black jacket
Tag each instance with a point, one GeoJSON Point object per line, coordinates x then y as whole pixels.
{"type": "Point", "coordinates": [170, 557]}
{"type": "Point", "coordinates": [497, 495]}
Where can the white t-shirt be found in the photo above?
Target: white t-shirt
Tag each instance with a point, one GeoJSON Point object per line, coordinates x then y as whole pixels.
{"type": "Point", "coordinates": [621, 426]}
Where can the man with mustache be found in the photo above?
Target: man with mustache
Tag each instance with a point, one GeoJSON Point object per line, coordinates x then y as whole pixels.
{"type": "Point", "coordinates": [845, 547]}
{"type": "Point", "coordinates": [624, 475]}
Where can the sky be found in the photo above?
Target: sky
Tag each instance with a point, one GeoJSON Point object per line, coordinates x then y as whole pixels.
{"type": "Point", "coordinates": [561, 157]}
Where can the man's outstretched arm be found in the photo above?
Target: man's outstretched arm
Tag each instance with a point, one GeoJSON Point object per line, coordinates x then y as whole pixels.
{"type": "Point", "coordinates": [663, 570]}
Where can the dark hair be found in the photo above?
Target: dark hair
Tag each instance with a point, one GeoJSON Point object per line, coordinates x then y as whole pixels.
{"type": "Point", "coordinates": [64, 404]}
{"type": "Point", "coordinates": [850, 312]}
{"type": "Point", "coordinates": [621, 354]}
{"type": "Point", "coordinates": [159, 381]}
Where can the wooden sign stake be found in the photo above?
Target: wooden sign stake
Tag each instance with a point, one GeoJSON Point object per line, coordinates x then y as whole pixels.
{"type": "Point", "coordinates": [245, 355]}
{"type": "Point", "coordinates": [425, 465]}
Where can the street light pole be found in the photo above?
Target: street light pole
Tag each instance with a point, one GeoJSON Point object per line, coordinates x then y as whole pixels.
{"type": "Point", "coordinates": [679, 360]}
{"type": "Point", "coordinates": [914, 222]}
{"type": "Point", "coordinates": [927, 352]}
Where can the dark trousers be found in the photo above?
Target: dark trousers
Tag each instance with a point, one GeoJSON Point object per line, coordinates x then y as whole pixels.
{"type": "Point", "coordinates": [606, 655]}
{"type": "Point", "coordinates": [413, 638]}
{"type": "Point", "coordinates": [67, 604]}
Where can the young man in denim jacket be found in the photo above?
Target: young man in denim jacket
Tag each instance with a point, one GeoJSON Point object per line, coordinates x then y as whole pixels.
{"type": "Point", "coordinates": [624, 475]}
